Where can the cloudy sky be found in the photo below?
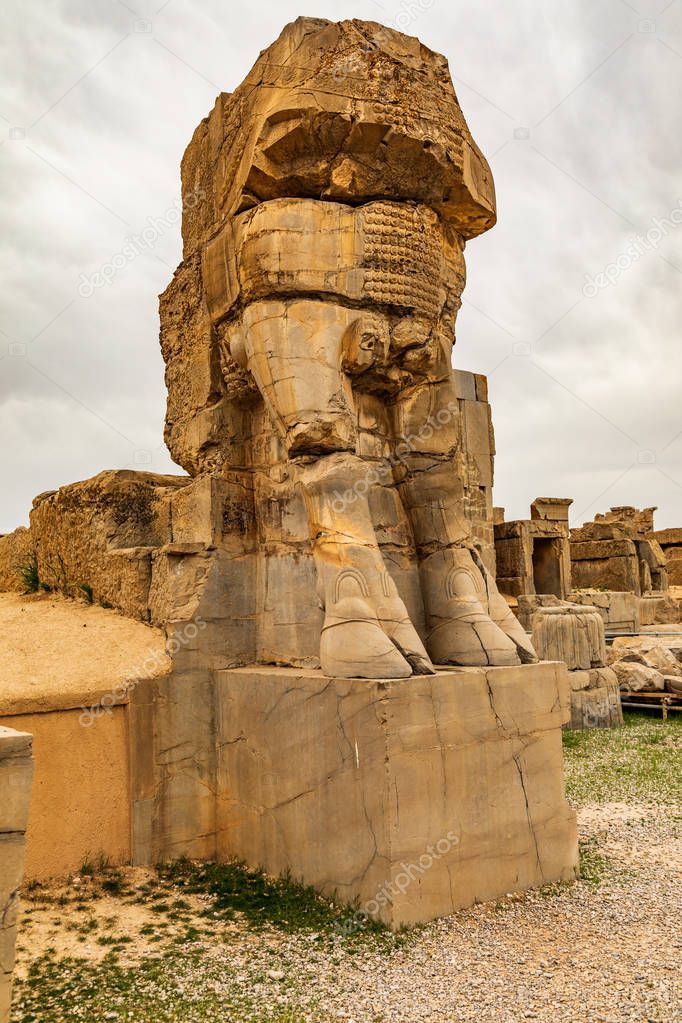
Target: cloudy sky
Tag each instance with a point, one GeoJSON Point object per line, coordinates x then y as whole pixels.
{"type": "Point", "coordinates": [574, 301]}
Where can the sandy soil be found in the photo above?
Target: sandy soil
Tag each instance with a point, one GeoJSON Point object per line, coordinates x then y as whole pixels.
{"type": "Point", "coordinates": [57, 653]}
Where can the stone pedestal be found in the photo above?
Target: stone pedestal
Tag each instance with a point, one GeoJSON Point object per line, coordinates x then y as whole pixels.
{"type": "Point", "coordinates": [575, 635]}
{"type": "Point", "coordinates": [415, 797]}
{"type": "Point", "coordinates": [16, 771]}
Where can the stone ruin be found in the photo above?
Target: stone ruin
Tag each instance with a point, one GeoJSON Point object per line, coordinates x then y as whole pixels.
{"type": "Point", "coordinates": [533, 555]}
{"type": "Point", "coordinates": [619, 551]}
{"type": "Point", "coordinates": [572, 587]}
{"type": "Point", "coordinates": [670, 542]}
{"type": "Point", "coordinates": [348, 688]}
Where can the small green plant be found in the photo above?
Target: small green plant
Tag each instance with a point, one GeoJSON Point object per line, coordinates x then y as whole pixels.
{"type": "Point", "coordinates": [106, 605]}
{"type": "Point", "coordinates": [283, 903]}
{"type": "Point", "coordinates": [87, 590]}
{"type": "Point", "coordinates": [113, 885]}
{"type": "Point", "coordinates": [91, 866]}
{"type": "Point", "coordinates": [593, 864]}
{"type": "Point", "coordinates": [28, 572]}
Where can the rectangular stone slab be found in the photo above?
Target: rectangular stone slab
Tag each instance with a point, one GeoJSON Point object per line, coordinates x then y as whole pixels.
{"type": "Point", "coordinates": [416, 797]}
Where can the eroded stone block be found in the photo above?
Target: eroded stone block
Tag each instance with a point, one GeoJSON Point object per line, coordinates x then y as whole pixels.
{"type": "Point", "coordinates": [345, 782]}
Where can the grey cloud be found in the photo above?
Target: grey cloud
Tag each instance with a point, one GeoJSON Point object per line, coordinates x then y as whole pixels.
{"type": "Point", "coordinates": [578, 108]}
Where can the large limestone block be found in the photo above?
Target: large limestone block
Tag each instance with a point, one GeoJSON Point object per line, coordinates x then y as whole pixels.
{"type": "Point", "coordinates": [552, 509]}
{"type": "Point", "coordinates": [655, 609]}
{"type": "Point", "coordinates": [596, 705]}
{"type": "Point", "coordinates": [620, 610]}
{"type": "Point", "coordinates": [674, 568]}
{"type": "Point", "coordinates": [638, 678]}
{"type": "Point", "coordinates": [350, 784]}
{"type": "Point", "coordinates": [620, 574]}
{"type": "Point", "coordinates": [594, 550]}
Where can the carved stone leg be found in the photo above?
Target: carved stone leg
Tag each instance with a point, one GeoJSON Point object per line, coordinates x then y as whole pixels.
{"type": "Point", "coordinates": [293, 350]}
{"type": "Point", "coordinates": [468, 622]}
{"type": "Point", "coordinates": [367, 631]}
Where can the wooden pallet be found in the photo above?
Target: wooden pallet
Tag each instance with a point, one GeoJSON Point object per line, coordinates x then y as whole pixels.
{"type": "Point", "coordinates": [666, 702]}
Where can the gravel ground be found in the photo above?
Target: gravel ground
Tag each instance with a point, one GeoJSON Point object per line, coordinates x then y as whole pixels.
{"type": "Point", "coordinates": [607, 948]}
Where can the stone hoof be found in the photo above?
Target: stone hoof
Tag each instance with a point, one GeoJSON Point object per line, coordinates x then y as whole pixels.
{"type": "Point", "coordinates": [503, 617]}
{"type": "Point", "coordinates": [354, 645]}
{"type": "Point", "coordinates": [395, 622]}
{"type": "Point", "coordinates": [472, 640]}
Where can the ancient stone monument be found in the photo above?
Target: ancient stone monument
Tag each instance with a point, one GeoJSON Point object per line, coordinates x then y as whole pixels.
{"type": "Point", "coordinates": [349, 693]}
{"type": "Point", "coordinates": [331, 198]}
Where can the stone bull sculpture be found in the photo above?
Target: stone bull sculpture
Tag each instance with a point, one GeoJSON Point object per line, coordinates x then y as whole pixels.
{"type": "Point", "coordinates": [341, 193]}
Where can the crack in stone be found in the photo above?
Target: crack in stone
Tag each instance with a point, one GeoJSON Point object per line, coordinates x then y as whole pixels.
{"type": "Point", "coordinates": [515, 758]}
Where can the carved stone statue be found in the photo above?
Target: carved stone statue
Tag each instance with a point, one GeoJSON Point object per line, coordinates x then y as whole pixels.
{"type": "Point", "coordinates": [332, 198]}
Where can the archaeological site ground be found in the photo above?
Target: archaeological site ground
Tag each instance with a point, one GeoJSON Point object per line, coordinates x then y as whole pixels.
{"type": "Point", "coordinates": [310, 730]}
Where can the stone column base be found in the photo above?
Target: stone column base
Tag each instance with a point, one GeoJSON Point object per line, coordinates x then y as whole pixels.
{"type": "Point", "coordinates": [595, 699]}
{"type": "Point", "coordinates": [415, 797]}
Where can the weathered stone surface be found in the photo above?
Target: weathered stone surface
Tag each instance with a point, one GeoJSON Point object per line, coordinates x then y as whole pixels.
{"type": "Point", "coordinates": [597, 704]}
{"type": "Point", "coordinates": [533, 555]}
{"type": "Point", "coordinates": [654, 654]}
{"type": "Point", "coordinates": [574, 635]}
{"type": "Point", "coordinates": [16, 770]}
{"type": "Point", "coordinates": [619, 610]}
{"type": "Point", "coordinates": [674, 569]}
{"type": "Point", "coordinates": [655, 609]}
{"type": "Point", "coordinates": [592, 550]}
{"type": "Point", "coordinates": [16, 550]}
{"type": "Point", "coordinates": [553, 509]}
{"type": "Point", "coordinates": [637, 678]}
{"type": "Point", "coordinates": [96, 538]}
{"type": "Point", "coordinates": [324, 226]}
{"type": "Point", "coordinates": [398, 770]}
{"type": "Point", "coordinates": [619, 551]}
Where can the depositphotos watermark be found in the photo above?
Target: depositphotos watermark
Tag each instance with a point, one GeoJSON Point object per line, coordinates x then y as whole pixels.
{"type": "Point", "coordinates": [407, 875]}
{"type": "Point", "coordinates": [148, 669]}
{"type": "Point", "coordinates": [384, 469]}
{"type": "Point", "coordinates": [640, 245]}
{"type": "Point", "coordinates": [136, 244]}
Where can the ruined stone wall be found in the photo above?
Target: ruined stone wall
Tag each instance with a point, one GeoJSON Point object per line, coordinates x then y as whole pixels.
{"type": "Point", "coordinates": [95, 539]}
{"type": "Point", "coordinates": [515, 550]}
{"type": "Point", "coordinates": [618, 551]}
{"type": "Point", "coordinates": [670, 541]}
{"type": "Point", "coordinates": [15, 553]}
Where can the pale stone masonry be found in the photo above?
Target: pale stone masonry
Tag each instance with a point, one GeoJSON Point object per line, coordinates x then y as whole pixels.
{"type": "Point", "coordinates": [349, 783]}
{"type": "Point", "coordinates": [16, 772]}
{"type": "Point", "coordinates": [575, 634]}
{"type": "Point", "coordinates": [533, 555]}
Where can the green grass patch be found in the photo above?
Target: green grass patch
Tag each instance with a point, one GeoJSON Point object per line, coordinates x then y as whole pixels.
{"type": "Point", "coordinates": [174, 988]}
{"type": "Point", "coordinates": [261, 901]}
{"type": "Point", "coordinates": [593, 864]}
{"type": "Point", "coordinates": [28, 573]}
{"type": "Point", "coordinates": [638, 763]}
